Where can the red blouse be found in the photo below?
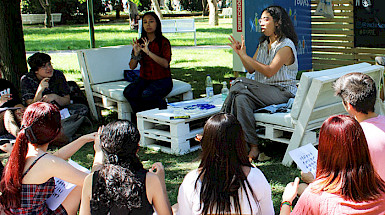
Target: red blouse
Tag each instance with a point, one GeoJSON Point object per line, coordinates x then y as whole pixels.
{"type": "Point", "coordinates": [149, 69]}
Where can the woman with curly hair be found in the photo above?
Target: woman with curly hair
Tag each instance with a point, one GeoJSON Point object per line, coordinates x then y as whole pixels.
{"type": "Point", "coordinates": [273, 69]}
{"type": "Point", "coordinates": [122, 185]}
{"type": "Point", "coordinates": [225, 181]}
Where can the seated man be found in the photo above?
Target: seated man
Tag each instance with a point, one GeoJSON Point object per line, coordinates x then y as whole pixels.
{"type": "Point", "coordinates": [358, 93]}
{"type": "Point", "coordinates": [43, 83]}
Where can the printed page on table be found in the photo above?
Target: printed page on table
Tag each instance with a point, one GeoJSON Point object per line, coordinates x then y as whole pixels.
{"type": "Point", "coordinates": [63, 188]}
{"type": "Point", "coordinates": [306, 158]}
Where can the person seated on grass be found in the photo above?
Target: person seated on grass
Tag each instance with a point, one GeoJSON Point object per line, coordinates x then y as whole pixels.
{"type": "Point", "coordinates": [43, 83]}
{"type": "Point", "coordinates": [28, 178]}
{"type": "Point", "coordinates": [122, 185]}
{"type": "Point", "coordinates": [346, 182]}
{"type": "Point", "coordinates": [275, 66]}
{"type": "Point", "coordinates": [9, 97]}
{"type": "Point", "coordinates": [225, 181]}
{"type": "Point", "coordinates": [358, 93]}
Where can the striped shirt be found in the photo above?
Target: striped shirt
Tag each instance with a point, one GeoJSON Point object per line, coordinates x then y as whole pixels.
{"type": "Point", "coordinates": [286, 76]}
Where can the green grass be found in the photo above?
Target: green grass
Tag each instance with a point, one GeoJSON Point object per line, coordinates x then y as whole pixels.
{"type": "Point", "coordinates": [111, 34]}
{"type": "Point", "coordinates": [190, 65]}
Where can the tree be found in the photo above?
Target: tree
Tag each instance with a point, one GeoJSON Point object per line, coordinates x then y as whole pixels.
{"type": "Point", "coordinates": [12, 49]}
{"type": "Point", "coordinates": [204, 8]}
{"type": "Point", "coordinates": [157, 11]}
{"type": "Point", "coordinates": [213, 15]}
{"type": "Point", "coordinates": [46, 4]}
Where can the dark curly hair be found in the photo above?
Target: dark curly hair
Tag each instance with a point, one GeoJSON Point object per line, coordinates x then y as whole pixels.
{"type": "Point", "coordinates": [38, 60]}
{"type": "Point", "coordinates": [285, 27]}
{"type": "Point", "coordinates": [117, 182]}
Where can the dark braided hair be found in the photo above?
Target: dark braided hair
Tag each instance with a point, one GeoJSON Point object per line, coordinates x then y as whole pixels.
{"type": "Point", "coordinates": [118, 183]}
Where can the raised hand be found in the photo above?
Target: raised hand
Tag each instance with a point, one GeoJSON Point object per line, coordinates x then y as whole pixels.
{"type": "Point", "coordinates": [238, 47]}
{"type": "Point", "coordinates": [290, 191]}
{"type": "Point", "coordinates": [97, 146]}
{"type": "Point", "coordinates": [4, 98]}
{"type": "Point", "coordinates": [158, 169]}
{"type": "Point", "coordinates": [144, 47]}
{"type": "Point", "coordinates": [43, 84]}
{"type": "Point", "coordinates": [136, 46]}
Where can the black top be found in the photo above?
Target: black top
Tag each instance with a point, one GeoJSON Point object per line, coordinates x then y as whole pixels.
{"type": "Point", "coordinates": [146, 208]}
{"type": "Point", "coordinates": [30, 83]}
{"type": "Point", "coordinates": [4, 85]}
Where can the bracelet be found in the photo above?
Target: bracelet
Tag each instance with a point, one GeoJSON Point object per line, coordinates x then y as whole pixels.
{"type": "Point", "coordinates": [136, 57]}
{"type": "Point", "coordinates": [287, 203]}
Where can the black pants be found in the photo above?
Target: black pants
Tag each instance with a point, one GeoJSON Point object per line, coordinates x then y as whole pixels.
{"type": "Point", "coordinates": [148, 94]}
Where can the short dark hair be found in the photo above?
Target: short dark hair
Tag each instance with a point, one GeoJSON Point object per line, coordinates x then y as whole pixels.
{"type": "Point", "coordinates": [357, 89]}
{"type": "Point", "coordinates": [38, 60]}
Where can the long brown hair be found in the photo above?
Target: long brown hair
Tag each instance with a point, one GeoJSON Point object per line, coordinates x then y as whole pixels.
{"type": "Point", "coordinates": [41, 124]}
{"type": "Point", "coordinates": [344, 165]}
{"type": "Point", "coordinates": [223, 155]}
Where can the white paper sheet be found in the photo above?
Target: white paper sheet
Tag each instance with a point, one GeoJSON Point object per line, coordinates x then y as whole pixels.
{"type": "Point", "coordinates": [64, 113]}
{"type": "Point", "coordinates": [306, 158]}
{"type": "Point", "coordinates": [63, 188]}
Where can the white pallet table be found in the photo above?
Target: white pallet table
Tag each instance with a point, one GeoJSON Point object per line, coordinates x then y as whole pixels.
{"type": "Point", "coordinates": [155, 125]}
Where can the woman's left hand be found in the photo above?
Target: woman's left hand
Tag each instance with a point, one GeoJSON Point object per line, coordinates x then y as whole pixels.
{"type": "Point", "coordinates": [290, 191]}
{"type": "Point", "coordinates": [89, 137]}
{"type": "Point", "coordinates": [144, 46]}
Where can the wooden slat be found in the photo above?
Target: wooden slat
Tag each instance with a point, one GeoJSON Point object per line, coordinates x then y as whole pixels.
{"type": "Point", "coordinates": [329, 44]}
{"type": "Point", "coordinates": [332, 62]}
{"type": "Point", "coordinates": [347, 32]}
{"type": "Point", "coordinates": [335, 19]}
{"type": "Point", "coordinates": [337, 38]}
{"type": "Point", "coordinates": [333, 56]}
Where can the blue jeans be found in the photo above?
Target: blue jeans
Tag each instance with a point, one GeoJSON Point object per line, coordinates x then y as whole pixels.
{"type": "Point", "coordinates": [148, 94]}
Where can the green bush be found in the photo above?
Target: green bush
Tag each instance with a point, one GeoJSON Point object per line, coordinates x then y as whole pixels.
{"type": "Point", "coordinates": [73, 11]}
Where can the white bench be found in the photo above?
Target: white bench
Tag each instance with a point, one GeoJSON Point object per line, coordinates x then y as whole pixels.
{"type": "Point", "coordinates": [175, 26]}
{"type": "Point", "coordinates": [313, 103]}
{"type": "Point", "coordinates": [39, 18]}
{"type": "Point", "coordinates": [102, 72]}
{"type": "Point", "coordinates": [226, 12]}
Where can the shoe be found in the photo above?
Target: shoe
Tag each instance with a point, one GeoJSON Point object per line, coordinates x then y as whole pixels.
{"type": "Point", "coordinates": [262, 157]}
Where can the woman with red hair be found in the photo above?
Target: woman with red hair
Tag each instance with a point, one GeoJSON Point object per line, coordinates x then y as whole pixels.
{"type": "Point", "coordinates": [28, 178]}
{"type": "Point", "coordinates": [346, 182]}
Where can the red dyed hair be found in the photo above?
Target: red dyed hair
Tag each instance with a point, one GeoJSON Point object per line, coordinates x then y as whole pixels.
{"type": "Point", "coordinates": [344, 165]}
{"type": "Point", "coordinates": [41, 124]}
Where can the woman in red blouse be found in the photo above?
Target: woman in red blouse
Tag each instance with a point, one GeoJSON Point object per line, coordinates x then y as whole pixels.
{"type": "Point", "coordinates": [153, 52]}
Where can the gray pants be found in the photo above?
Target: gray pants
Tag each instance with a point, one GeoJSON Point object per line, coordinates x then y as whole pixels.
{"type": "Point", "coordinates": [247, 95]}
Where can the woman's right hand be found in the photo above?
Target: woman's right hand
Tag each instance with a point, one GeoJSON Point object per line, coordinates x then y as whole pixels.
{"type": "Point", "coordinates": [158, 169]}
{"type": "Point", "coordinates": [97, 146]}
{"type": "Point", "coordinates": [238, 47]}
{"type": "Point", "coordinates": [136, 46]}
{"type": "Point", "coordinates": [290, 191]}
{"type": "Point", "coordinates": [43, 84]}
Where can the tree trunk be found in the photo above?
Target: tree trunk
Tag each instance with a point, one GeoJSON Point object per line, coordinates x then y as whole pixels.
{"type": "Point", "coordinates": [204, 8]}
{"type": "Point", "coordinates": [157, 11]}
{"type": "Point", "coordinates": [118, 9]}
{"type": "Point", "coordinates": [47, 9]}
{"type": "Point", "coordinates": [12, 50]}
{"type": "Point", "coordinates": [213, 15]}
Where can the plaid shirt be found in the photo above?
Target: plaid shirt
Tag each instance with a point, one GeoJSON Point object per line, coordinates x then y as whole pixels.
{"type": "Point", "coordinates": [33, 197]}
{"type": "Point", "coordinates": [149, 69]}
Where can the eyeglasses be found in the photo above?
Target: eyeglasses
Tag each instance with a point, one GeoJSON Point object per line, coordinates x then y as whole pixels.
{"type": "Point", "coordinates": [47, 65]}
{"type": "Point", "coordinates": [263, 19]}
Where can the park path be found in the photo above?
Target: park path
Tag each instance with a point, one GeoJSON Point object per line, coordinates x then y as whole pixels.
{"type": "Point", "coordinates": [173, 47]}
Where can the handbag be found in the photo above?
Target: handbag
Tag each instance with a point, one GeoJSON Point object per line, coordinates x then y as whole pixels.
{"type": "Point", "coordinates": [131, 75]}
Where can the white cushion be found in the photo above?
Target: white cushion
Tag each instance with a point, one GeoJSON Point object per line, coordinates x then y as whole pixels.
{"type": "Point", "coordinates": [115, 89]}
{"type": "Point", "coordinates": [306, 79]}
{"type": "Point", "coordinates": [282, 119]}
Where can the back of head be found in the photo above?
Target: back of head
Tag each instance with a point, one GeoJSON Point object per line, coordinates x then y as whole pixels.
{"type": "Point", "coordinates": [41, 124]}
{"type": "Point", "coordinates": [285, 26]}
{"type": "Point", "coordinates": [223, 155]}
{"type": "Point", "coordinates": [357, 89]}
{"type": "Point", "coordinates": [344, 165]}
{"type": "Point", "coordinates": [118, 183]}
{"type": "Point", "coordinates": [38, 60]}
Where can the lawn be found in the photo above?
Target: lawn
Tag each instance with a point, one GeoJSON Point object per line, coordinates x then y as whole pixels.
{"type": "Point", "coordinates": [188, 64]}
{"type": "Point", "coordinates": [111, 34]}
